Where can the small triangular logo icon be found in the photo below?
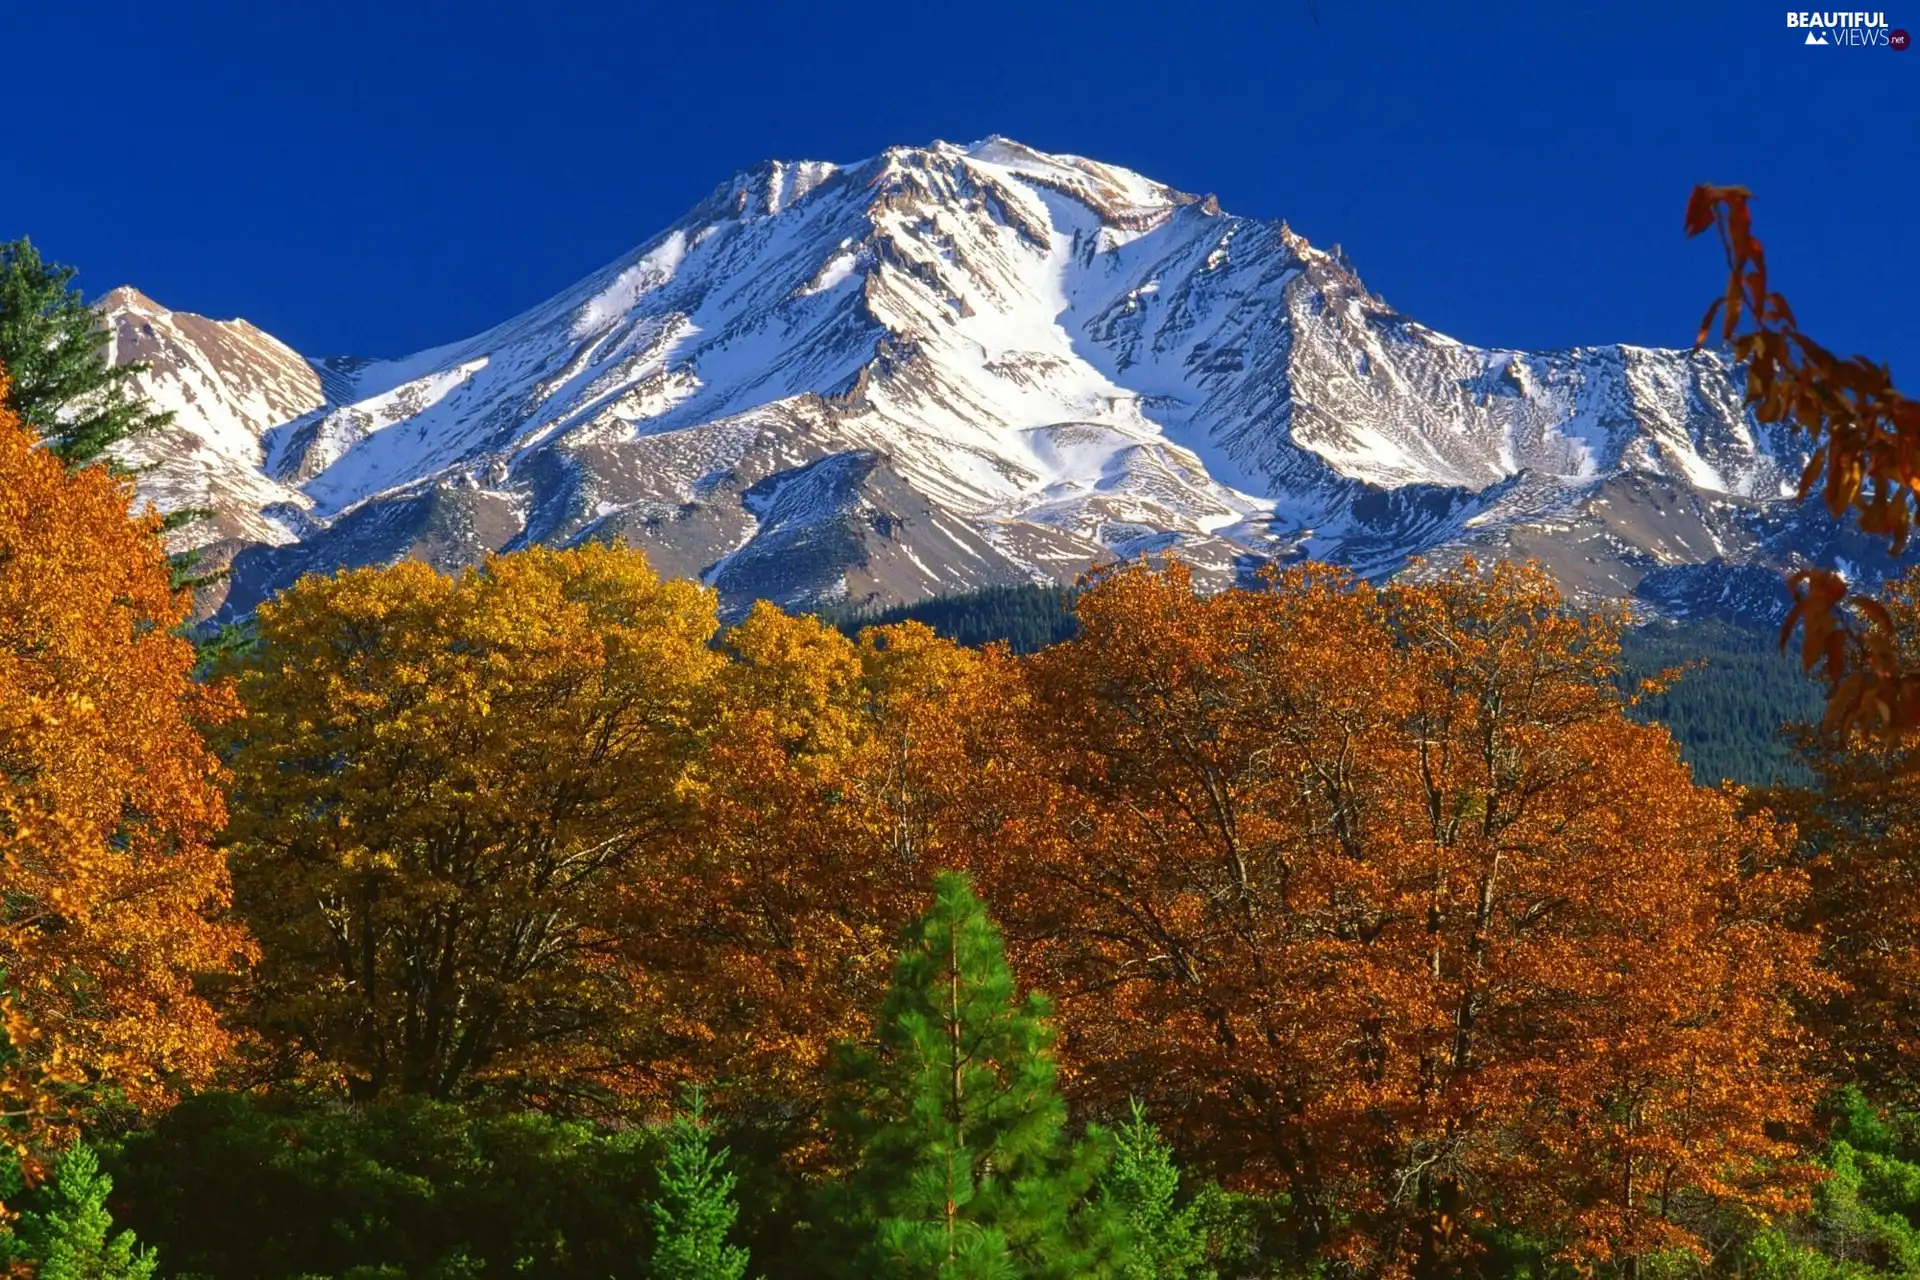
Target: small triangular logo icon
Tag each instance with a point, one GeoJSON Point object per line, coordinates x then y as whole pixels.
{"type": "Point", "coordinates": [1815, 37]}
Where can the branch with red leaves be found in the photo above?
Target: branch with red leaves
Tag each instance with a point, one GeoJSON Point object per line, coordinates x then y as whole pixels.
{"type": "Point", "coordinates": [1865, 458]}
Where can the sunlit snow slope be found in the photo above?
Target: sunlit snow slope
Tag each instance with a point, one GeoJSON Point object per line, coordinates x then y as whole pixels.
{"type": "Point", "coordinates": [947, 367]}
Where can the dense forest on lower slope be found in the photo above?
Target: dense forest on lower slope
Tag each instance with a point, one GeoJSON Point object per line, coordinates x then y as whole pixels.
{"type": "Point", "coordinates": [1028, 618]}
{"type": "Point", "coordinates": [1734, 692]}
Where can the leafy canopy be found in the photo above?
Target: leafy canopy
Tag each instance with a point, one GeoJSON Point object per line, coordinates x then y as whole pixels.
{"type": "Point", "coordinates": [284, 1185]}
{"type": "Point", "coordinates": [109, 800]}
{"type": "Point", "coordinates": [1865, 458]}
{"type": "Point", "coordinates": [454, 794]}
{"type": "Point", "coordinates": [1381, 899]}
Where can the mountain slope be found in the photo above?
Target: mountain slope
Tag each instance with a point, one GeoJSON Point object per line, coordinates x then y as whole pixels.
{"type": "Point", "coordinates": [226, 383]}
{"type": "Point", "coordinates": [951, 367]}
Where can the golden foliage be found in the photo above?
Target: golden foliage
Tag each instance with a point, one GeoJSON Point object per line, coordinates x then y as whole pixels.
{"type": "Point", "coordinates": [833, 779]}
{"type": "Point", "coordinates": [108, 799]}
{"type": "Point", "coordinates": [448, 793]}
{"type": "Point", "coordinates": [1375, 893]}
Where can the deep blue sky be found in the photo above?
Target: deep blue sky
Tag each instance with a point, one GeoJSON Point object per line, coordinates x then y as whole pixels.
{"type": "Point", "coordinates": [376, 178]}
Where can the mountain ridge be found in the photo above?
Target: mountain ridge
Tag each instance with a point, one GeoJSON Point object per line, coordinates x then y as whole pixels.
{"type": "Point", "coordinates": [951, 367]}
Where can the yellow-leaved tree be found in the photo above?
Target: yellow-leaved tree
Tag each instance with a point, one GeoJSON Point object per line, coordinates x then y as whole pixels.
{"type": "Point", "coordinates": [110, 882]}
{"type": "Point", "coordinates": [449, 793]}
{"type": "Point", "coordinates": [835, 777]}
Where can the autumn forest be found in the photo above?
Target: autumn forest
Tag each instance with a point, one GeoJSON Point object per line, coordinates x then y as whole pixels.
{"type": "Point", "coordinates": [534, 921]}
{"type": "Point", "coordinates": [538, 920]}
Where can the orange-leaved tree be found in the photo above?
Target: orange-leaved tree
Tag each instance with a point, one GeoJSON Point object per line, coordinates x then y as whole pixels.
{"type": "Point", "coordinates": [1382, 899]}
{"type": "Point", "coordinates": [1860, 823]}
{"type": "Point", "coordinates": [834, 778]}
{"type": "Point", "coordinates": [449, 795]}
{"type": "Point", "coordinates": [1864, 436]}
{"type": "Point", "coordinates": [109, 801]}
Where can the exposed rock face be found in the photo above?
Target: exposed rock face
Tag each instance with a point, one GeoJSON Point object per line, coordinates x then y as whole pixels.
{"type": "Point", "coordinates": [226, 384]}
{"type": "Point", "coordinates": [947, 367]}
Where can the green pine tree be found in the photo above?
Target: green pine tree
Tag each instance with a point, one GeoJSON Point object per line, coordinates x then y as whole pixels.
{"type": "Point", "coordinates": [695, 1208]}
{"type": "Point", "coordinates": [962, 1166]}
{"type": "Point", "coordinates": [54, 349]}
{"type": "Point", "coordinates": [71, 1238]}
{"type": "Point", "coordinates": [1140, 1188]}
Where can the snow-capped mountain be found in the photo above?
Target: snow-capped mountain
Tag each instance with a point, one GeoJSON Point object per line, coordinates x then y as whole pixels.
{"type": "Point", "coordinates": [948, 367]}
{"type": "Point", "coordinates": [226, 383]}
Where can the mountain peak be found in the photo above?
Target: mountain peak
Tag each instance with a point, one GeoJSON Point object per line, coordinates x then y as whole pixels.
{"type": "Point", "coordinates": [127, 300]}
{"type": "Point", "coordinates": [954, 365]}
{"type": "Point", "coordinates": [1105, 187]}
{"type": "Point", "coordinates": [1121, 196]}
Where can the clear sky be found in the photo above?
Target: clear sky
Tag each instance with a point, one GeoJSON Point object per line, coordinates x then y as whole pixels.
{"type": "Point", "coordinates": [374, 178]}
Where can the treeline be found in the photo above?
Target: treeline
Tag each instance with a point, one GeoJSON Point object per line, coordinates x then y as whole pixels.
{"type": "Point", "coordinates": [1734, 703]}
{"type": "Point", "coordinates": [1734, 694]}
{"type": "Point", "coordinates": [1025, 618]}
{"type": "Point", "coordinates": [530, 921]}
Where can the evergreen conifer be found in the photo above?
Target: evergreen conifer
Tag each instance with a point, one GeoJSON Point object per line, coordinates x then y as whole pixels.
{"type": "Point", "coordinates": [1141, 1187]}
{"type": "Point", "coordinates": [695, 1209]}
{"type": "Point", "coordinates": [963, 1169]}
{"type": "Point", "coordinates": [54, 348]}
{"type": "Point", "coordinates": [72, 1237]}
